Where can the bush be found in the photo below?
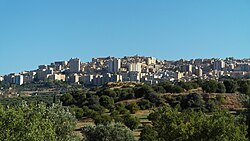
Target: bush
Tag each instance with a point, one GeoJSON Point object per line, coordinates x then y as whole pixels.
{"type": "Point", "coordinates": [102, 119]}
{"type": "Point", "coordinates": [106, 102]}
{"type": "Point", "coordinates": [131, 122]}
{"type": "Point", "coordinates": [210, 86]}
{"type": "Point", "coordinates": [221, 88]}
{"type": "Point", "coordinates": [67, 99]}
{"type": "Point", "coordinates": [133, 107]}
{"type": "Point", "coordinates": [231, 86]}
{"type": "Point", "coordinates": [78, 112]}
{"type": "Point", "coordinates": [144, 90]}
{"type": "Point", "coordinates": [109, 132]}
{"type": "Point", "coordinates": [145, 104]}
{"type": "Point", "coordinates": [148, 134]}
{"type": "Point", "coordinates": [193, 100]}
{"type": "Point", "coordinates": [120, 107]}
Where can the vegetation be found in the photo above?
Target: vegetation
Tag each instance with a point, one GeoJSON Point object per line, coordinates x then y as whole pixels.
{"type": "Point", "coordinates": [182, 111]}
{"type": "Point", "coordinates": [168, 124]}
{"type": "Point", "coordinates": [36, 123]}
{"type": "Point", "coordinates": [109, 132]}
{"type": "Point", "coordinates": [16, 101]}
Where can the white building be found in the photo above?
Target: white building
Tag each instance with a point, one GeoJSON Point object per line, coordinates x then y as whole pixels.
{"type": "Point", "coordinates": [219, 64]}
{"type": "Point", "coordinates": [135, 67]}
{"type": "Point", "coordinates": [19, 79]}
{"type": "Point", "coordinates": [1, 78]}
{"type": "Point", "coordinates": [151, 60]}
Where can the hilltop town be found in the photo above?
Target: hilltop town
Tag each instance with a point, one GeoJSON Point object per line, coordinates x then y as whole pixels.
{"type": "Point", "coordinates": [132, 69]}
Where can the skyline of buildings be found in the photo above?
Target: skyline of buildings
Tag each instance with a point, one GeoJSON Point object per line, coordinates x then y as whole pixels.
{"type": "Point", "coordinates": [132, 68]}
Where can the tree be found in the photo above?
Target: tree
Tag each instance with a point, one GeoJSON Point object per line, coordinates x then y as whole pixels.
{"type": "Point", "coordinates": [107, 92]}
{"type": "Point", "coordinates": [109, 132]}
{"type": "Point", "coordinates": [244, 87]}
{"type": "Point", "coordinates": [148, 134]}
{"type": "Point", "coordinates": [145, 89]}
{"type": "Point", "coordinates": [80, 97]}
{"type": "Point", "coordinates": [102, 119]}
{"type": "Point", "coordinates": [145, 104]}
{"type": "Point", "coordinates": [133, 107]}
{"type": "Point", "coordinates": [177, 89]}
{"type": "Point", "coordinates": [120, 107]}
{"type": "Point", "coordinates": [186, 85]}
{"type": "Point", "coordinates": [36, 123]}
{"type": "Point", "coordinates": [159, 89]}
{"type": "Point", "coordinates": [116, 116]}
{"type": "Point", "coordinates": [67, 99]}
{"type": "Point", "coordinates": [154, 98]}
{"type": "Point", "coordinates": [193, 100]}
{"type": "Point", "coordinates": [78, 112]}
{"type": "Point", "coordinates": [63, 122]}
{"type": "Point", "coordinates": [210, 86]}
{"type": "Point", "coordinates": [221, 88]}
{"type": "Point", "coordinates": [106, 101]}
{"type": "Point", "coordinates": [230, 85]}
{"type": "Point", "coordinates": [131, 122]}
{"type": "Point", "coordinates": [170, 124]}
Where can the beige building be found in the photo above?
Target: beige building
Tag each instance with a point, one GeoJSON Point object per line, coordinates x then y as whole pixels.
{"type": "Point", "coordinates": [137, 67]}
{"type": "Point", "coordinates": [178, 75]}
{"type": "Point", "coordinates": [59, 77]}
{"type": "Point", "coordinates": [151, 60]}
{"type": "Point", "coordinates": [198, 72]}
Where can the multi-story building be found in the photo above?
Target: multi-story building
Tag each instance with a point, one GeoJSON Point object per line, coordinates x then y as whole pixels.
{"type": "Point", "coordinates": [73, 78]}
{"type": "Point", "coordinates": [134, 76]}
{"type": "Point", "coordinates": [59, 77]}
{"type": "Point", "coordinates": [151, 60]}
{"type": "Point", "coordinates": [136, 67]}
{"type": "Point", "coordinates": [178, 75]}
{"type": "Point", "coordinates": [86, 79]}
{"type": "Point", "coordinates": [44, 74]}
{"type": "Point", "coordinates": [187, 68]}
{"type": "Point", "coordinates": [19, 79]}
{"type": "Point", "coordinates": [114, 65]}
{"type": "Point", "coordinates": [198, 72]}
{"type": "Point", "coordinates": [244, 67]}
{"type": "Point", "coordinates": [10, 78]}
{"type": "Point", "coordinates": [218, 65]}
{"type": "Point", "coordinates": [60, 65]}
{"type": "Point", "coordinates": [74, 65]}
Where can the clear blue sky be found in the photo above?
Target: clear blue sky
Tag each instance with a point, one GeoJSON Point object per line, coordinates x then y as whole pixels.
{"type": "Point", "coordinates": [34, 32]}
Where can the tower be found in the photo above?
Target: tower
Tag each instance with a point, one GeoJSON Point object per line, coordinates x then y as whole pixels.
{"type": "Point", "coordinates": [74, 65]}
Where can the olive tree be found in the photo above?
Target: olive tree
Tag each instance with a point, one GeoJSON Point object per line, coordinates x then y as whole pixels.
{"type": "Point", "coordinates": [109, 132]}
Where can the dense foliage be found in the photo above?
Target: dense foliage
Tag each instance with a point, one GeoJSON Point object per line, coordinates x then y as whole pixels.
{"type": "Point", "coordinates": [109, 132]}
{"type": "Point", "coordinates": [195, 116]}
{"type": "Point", "coordinates": [36, 123]}
{"type": "Point", "coordinates": [169, 124]}
{"type": "Point", "coordinates": [16, 101]}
